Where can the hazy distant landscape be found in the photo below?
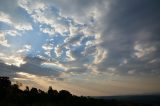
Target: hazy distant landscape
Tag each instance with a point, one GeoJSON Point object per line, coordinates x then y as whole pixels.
{"type": "Point", "coordinates": [153, 99]}
{"type": "Point", "coordinates": [11, 95]}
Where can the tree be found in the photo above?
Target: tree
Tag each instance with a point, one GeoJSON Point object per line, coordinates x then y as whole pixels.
{"type": "Point", "coordinates": [33, 94]}
{"type": "Point", "coordinates": [34, 91]}
{"type": "Point", "coordinates": [52, 92]}
{"type": "Point", "coordinates": [64, 93]}
{"type": "Point", "coordinates": [5, 82]}
{"type": "Point", "coordinates": [27, 89]}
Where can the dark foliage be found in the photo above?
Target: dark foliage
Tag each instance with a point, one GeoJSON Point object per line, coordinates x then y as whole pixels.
{"type": "Point", "coordinates": [11, 95]}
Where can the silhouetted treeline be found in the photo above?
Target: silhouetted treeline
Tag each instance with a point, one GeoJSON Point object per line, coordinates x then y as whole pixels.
{"type": "Point", "coordinates": [11, 95]}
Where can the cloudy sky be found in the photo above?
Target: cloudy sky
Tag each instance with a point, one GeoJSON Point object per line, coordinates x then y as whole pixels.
{"type": "Point", "coordinates": [89, 47]}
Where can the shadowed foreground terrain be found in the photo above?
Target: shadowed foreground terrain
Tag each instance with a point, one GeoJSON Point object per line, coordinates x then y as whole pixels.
{"type": "Point", "coordinates": [11, 95]}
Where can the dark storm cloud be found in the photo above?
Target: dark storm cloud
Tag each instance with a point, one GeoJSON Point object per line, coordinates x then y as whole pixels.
{"type": "Point", "coordinates": [79, 70]}
{"type": "Point", "coordinates": [7, 70]}
{"type": "Point", "coordinates": [32, 66]}
{"type": "Point", "coordinates": [127, 18]}
{"type": "Point", "coordinates": [128, 23]}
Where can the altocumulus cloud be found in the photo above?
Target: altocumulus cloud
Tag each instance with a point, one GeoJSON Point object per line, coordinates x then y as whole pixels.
{"type": "Point", "coordinates": [94, 42]}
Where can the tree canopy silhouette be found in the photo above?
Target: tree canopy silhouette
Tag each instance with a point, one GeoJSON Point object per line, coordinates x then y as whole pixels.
{"type": "Point", "coordinates": [11, 95]}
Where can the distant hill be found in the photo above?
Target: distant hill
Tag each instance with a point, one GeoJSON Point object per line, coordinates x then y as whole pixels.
{"type": "Point", "coordinates": [147, 99]}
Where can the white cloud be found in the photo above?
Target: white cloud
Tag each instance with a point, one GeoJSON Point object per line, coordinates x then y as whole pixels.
{"type": "Point", "coordinates": [42, 13]}
{"type": "Point", "coordinates": [111, 71]}
{"type": "Point", "coordinates": [23, 26]}
{"type": "Point", "coordinates": [73, 30]}
{"type": "Point", "coordinates": [153, 61]}
{"type": "Point", "coordinates": [3, 40]}
{"type": "Point", "coordinates": [5, 18]}
{"type": "Point", "coordinates": [20, 79]}
{"type": "Point", "coordinates": [124, 62]}
{"type": "Point", "coordinates": [31, 6]}
{"type": "Point", "coordinates": [41, 18]}
{"type": "Point", "coordinates": [49, 31]}
{"type": "Point", "coordinates": [58, 51]}
{"type": "Point", "coordinates": [28, 47]}
{"type": "Point", "coordinates": [12, 32]}
{"type": "Point", "coordinates": [47, 48]}
{"type": "Point", "coordinates": [55, 65]}
{"type": "Point", "coordinates": [143, 50]}
{"type": "Point", "coordinates": [88, 43]}
{"type": "Point", "coordinates": [60, 28]}
{"type": "Point", "coordinates": [100, 55]}
{"type": "Point", "coordinates": [131, 72]}
{"type": "Point", "coordinates": [55, 22]}
{"type": "Point", "coordinates": [93, 68]}
{"type": "Point", "coordinates": [69, 55]}
{"type": "Point", "coordinates": [12, 60]}
{"type": "Point", "coordinates": [36, 10]}
{"type": "Point", "coordinates": [77, 70]}
{"type": "Point", "coordinates": [25, 48]}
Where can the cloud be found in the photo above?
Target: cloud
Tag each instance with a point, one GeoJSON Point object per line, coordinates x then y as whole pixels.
{"type": "Point", "coordinates": [49, 31]}
{"type": "Point", "coordinates": [12, 24]}
{"type": "Point", "coordinates": [70, 56]}
{"type": "Point", "coordinates": [58, 51]}
{"type": "Point", "coordinates": [54, 65]}
{"type": "Point", "coordinates": [131, 72]}
{"type": "Point", "coordinates": [142, 51]}
{"type": "Point", "coordinates": [128, 29]}
{"type": "Point", "coordinates": [113, 43]}
{"type": "Point", "coordinates": [24, 26]}
{"type": "Point", "coordinates": [84, 8]}
{"type": "Point", "coordinates": [12, 32]}
{"type": "Point", "coordinates": [5, 18]}
{"type": "Point", "coordinates": [77, 70]}
{"type": "Point", "coordinates": [12, 60]}
{"type": "Point", "coordinates": [44, 14]}
{"type": "Point", "coordinates": [35, 80]}
{"type": "Point", "coordinates": [28, 65]}
{"type": "Point", "coordinates": [79, 39]}
{"type": "Point", "coordinates": [47, 48]}
{"type": "Point", "coordinates": [3, 40]}
{"type": "Point", "coordinates": [100, 56]}
{"type": "Point", "coordinates": [26, 48]}
{"type": "Point", "coordinates": [33, 66]}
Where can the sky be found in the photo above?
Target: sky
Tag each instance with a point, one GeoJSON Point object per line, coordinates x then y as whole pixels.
{"type": "Point", "coordinates": [89, 47]}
